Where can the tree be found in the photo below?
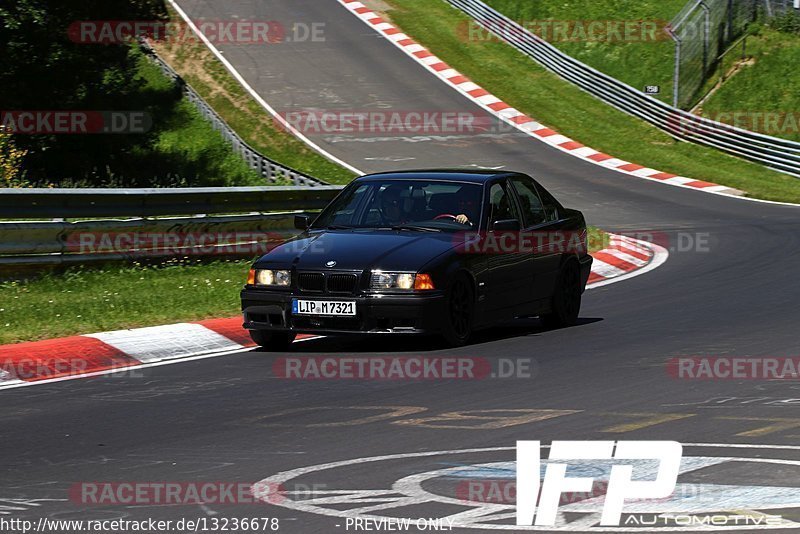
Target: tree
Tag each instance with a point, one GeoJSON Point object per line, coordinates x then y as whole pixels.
{"type": "Point", "coordinates": [42, 69]}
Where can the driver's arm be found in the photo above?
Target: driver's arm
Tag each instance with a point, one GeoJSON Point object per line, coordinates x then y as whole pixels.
{"type": "Point", "coordinates": [463, 219]}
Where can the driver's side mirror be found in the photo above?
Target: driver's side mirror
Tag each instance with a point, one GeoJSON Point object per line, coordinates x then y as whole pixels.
{"type": "Point", "coordinates": [506, 225]}
{"type": "Point", "coordinates": [302, 221]}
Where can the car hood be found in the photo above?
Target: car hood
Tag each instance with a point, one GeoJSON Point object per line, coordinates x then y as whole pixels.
{"type": "Point", "coordinates": [356, 250]}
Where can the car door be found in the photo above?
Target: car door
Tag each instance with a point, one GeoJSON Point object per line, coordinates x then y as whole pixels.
{"type": "Point", "coordinates": [541, 226]}
{"type": "Point", "coordinates": [510, 278]}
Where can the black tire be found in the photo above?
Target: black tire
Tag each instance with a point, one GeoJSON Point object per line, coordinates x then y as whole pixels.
{"type": "Point", "coordinates": [460, 312]}
{"type": "Point", "coordinates": [272, 341]}
{"type": "Point", "coordinates": [566, 303]}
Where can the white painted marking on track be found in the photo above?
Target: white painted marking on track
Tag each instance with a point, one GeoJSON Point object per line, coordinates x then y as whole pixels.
{"type": "Point", "coordinates": [409, 490]}
{"type": "Point", "coordinates": [166, 342]}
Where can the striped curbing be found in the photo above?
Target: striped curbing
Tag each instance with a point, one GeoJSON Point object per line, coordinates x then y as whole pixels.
{"type": "Point", "coordinates": [513, 116]}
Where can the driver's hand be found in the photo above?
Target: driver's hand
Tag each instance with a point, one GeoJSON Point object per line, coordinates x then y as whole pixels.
{"type": "Point", "coordinates": [463, 219]}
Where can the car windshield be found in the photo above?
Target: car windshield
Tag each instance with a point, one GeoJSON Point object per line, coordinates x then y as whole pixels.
{"type": "Point", "coordinates": [405, 205]}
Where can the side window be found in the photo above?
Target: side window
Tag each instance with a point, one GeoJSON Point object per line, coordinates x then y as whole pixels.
{"type": "Point", "coordinates": [346, 213]}
{"type": "Point", "coordinates": [501, 204]}
{"type": "Point", "coordinates": [551, 206]}
{"type": "Point", "coordinates": [532, 208]}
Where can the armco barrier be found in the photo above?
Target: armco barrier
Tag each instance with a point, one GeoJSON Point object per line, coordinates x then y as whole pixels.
{"type": "Point", "coordinates": [74, 203]}
{"type": "Point", "coordinates": [776, 153]}
{"type": "Point", "coordinates": [241, 227]}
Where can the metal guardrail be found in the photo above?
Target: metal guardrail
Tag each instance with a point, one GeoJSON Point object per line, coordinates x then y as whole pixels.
{"type": "Point", "coordinates": [51, 243]}
{"type": "Point", "coordinates": [779, 154]}
{"type": "Point", "coordinates": [25, 244]}
{"type": "Point", "coordinates": [271, 170]}
{"type": "Point", "coordinates": [76, 203]}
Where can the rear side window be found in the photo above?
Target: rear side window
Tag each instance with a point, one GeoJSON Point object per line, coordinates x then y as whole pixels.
{"type": "Point", "coordinates": [552, 208]}
{"type": "Point", "coordinates": [501, 205]}
{"type": "Point", "coordinates": [533, 211]}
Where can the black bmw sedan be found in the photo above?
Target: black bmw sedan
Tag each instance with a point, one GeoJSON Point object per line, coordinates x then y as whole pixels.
{"type": "Point", "coordinates": [412, 252]}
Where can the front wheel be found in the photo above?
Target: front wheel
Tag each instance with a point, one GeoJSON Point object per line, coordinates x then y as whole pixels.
{"type": "Point", "coordinates": [460, 306]}
{"type": "Point", "coordinates": [566, 303]}
{"type": "Point", "coordinates": [272, 341]}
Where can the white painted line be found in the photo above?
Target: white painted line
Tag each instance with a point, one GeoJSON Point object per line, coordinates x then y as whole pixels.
{"type": "Point", "coordinates": [255, 95]}
{"type": "Point", "coordinates": [125, 369]}
{"type": "Point", "coordinates": [167, 342]}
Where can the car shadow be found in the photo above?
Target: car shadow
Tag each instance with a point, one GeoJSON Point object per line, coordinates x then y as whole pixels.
{"type": "Point", "coordinates": [377, 343]}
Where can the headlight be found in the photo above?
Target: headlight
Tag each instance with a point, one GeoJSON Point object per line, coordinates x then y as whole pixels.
{"type": "Point", "coordinates": [270, 277]}
{"type": "Point", "coordinates": [386, 280]}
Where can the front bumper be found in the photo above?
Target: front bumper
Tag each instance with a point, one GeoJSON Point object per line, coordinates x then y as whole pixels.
{"type": "Point", "coordinates": [417, 313]}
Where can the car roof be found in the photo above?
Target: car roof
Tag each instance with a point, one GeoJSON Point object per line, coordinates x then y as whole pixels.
{"type": "Point", "coordinates": [454, 175]}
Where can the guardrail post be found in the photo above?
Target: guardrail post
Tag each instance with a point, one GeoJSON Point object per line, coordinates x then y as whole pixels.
{"type": "Point", "coordinates": [706, 34]}
{"type": "Point", "coordinates": [676, 75]}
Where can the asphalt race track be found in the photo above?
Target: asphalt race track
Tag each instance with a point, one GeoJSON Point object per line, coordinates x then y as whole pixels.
{"type": "Point", "coordinates": [231, 419]}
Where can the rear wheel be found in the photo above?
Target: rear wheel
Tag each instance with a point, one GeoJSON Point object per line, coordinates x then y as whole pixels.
{"type": "Point", "coordinates": [566, 303]}
{"type": "Point", "coordinates": [272, 341]}
{"type": "Point", "coordinates": [460, 306]}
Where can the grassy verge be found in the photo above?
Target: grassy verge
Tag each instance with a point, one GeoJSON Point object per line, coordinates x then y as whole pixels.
{"type": "Point", "coordinates": [560, 105]}
{"type": "Point", "coordinates": [186, 146]}
{"type": "Point", "coordinates": [201, 69]}
{"type": "Point", "coordinates": [630, 56]}
{"type": "Point", "coordinates": [111, 298]}
{"type": "Point", "coordinates": [83, 301]}
{"type": "Point", "coordinates": [761, 85]}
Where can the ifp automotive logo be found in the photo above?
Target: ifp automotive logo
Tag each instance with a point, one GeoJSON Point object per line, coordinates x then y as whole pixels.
{"type": "Point", "coordinates": [702, 487]}
{"type": "Point", "coordinates": [621, 485]}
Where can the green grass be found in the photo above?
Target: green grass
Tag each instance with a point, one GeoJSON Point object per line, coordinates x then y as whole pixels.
{"type": "Point", "coordinates": [84, 300]}
{"type": "Point", "coordinates": [186, 144]}
{"type": "Point", "coordinates": [521, 82]}
{"type": "Point", "coordinates": [635, 61]}
{"type": "Point", "coordinates": [766, 82]}
{"type": "Point", "coordinates": [201, 69]}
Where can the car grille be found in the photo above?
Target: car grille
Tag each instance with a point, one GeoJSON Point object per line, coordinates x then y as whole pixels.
{"type": "Point", "coordinates": [330, 282]}
{"type": "Point", "coordinates": [342, 283]}
{"type": "Point", "coordinates": [311, 282]}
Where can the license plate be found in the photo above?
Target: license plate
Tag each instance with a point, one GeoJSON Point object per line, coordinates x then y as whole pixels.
{"type": "Point", "coordinates": [337, 308]}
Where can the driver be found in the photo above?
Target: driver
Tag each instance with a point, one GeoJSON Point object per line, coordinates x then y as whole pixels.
{"type": "Point", "coordinates": [466, 207]}
{"type": "Point", "coordinates": [391, 204]}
